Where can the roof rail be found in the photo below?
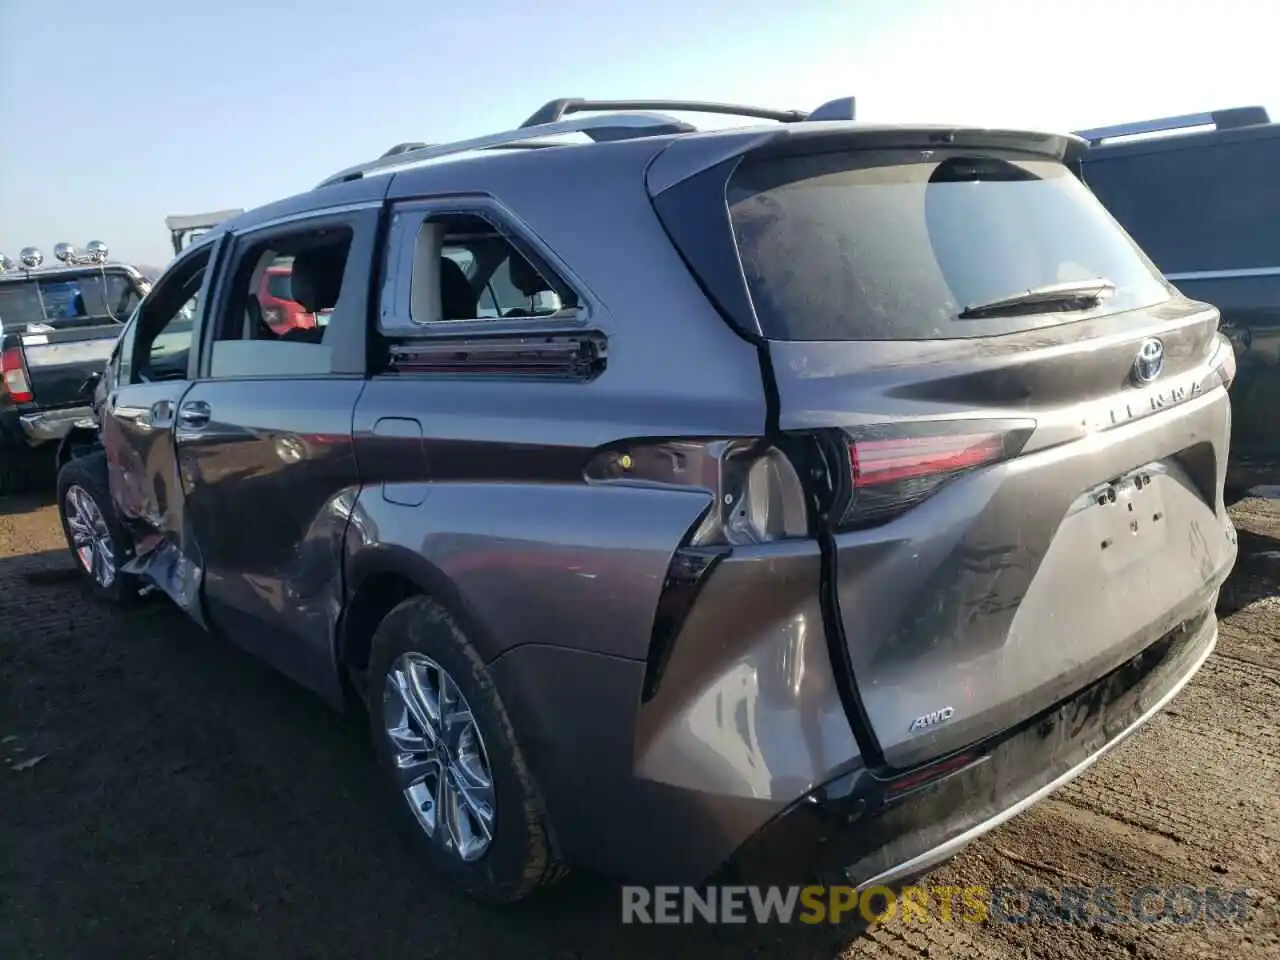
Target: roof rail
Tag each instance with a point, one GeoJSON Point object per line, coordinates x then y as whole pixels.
{"type": "Point", "coordinates": [404, 148]}
{"type": "Point", "coordinates": [633, 120]}
{"type": "Point", "coordinates": [1218, 119]}
{"type": "Point", "coordinates": [614, 126]}
{"type": "Point", "coordinates": [555, 109]}
{"type": "Point", "coordinates": [842, 109]}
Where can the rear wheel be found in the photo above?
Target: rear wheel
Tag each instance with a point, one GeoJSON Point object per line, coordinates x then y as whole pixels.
{"type": "Point", "coordinates": [459, 787]}
{"type": "Point", "coordinates": [98, 543]}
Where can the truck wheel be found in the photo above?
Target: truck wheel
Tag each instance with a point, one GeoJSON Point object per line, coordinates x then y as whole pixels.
{"type": "Point", "coordinates": [99, 544]}
{"type": "Point", "coordinates": [461, 792]}
{"type": "Point", "coordinates": [11, 479]}
{"type": "Point", "coordinates": [15, 473]}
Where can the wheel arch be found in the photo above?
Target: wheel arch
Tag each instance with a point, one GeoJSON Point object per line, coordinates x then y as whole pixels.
{"type": "Point", "coordinates": [379, 578]}
{"type": "Point", "coordinates": [77, 442]}
{"type": "Point", "coordinates": [382, 577]}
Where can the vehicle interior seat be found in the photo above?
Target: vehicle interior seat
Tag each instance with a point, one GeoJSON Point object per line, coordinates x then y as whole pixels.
{"type": "Point", "coordinates": [261, 330]}
{"type": "Point", "coordinates": [526, 278]}
{"type": "Point", "coordinates": [315, 282]}
{"type": "Point", "coordinates": [457, 300]}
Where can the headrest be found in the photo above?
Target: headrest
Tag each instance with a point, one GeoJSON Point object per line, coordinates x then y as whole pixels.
{"type": "Point", "coordinates": [457, 299]}
{"type": "Point", "coordinates": [525, 278]}
{"type": "Point", "coordinates": [316, 278]}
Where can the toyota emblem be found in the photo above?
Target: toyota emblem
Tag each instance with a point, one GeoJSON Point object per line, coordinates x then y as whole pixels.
{"type": "Point", "coordinates": [1149, 362]}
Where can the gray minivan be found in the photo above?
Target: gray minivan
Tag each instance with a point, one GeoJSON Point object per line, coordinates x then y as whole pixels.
{"type": "Point", "coordinates": [802, 499]}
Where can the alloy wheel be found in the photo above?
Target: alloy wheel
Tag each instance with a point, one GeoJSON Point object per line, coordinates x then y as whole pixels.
{"type": "Point", "coordinates": [91, 538]}
{"type": "Point", "coordinates": [439, 756]}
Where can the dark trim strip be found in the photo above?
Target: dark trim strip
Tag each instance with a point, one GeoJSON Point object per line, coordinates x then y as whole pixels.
{"type": "Point", "coordinates": [580, 357]}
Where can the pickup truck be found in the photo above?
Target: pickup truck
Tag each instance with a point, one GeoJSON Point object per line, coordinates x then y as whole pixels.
{"type": "Point", "coordinates": [1198, 193]}
{"type": "Point", "coordinates": [58, 324]}
{"type": "Point", "coordinates": [186, 228]}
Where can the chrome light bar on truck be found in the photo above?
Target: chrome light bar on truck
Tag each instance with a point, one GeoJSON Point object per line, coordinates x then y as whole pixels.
{"type": "Point", "coordinates": [30, 258]}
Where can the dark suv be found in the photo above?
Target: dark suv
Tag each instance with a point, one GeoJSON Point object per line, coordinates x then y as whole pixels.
{"type": "Point", "coordinates": [1199, 193]}
{"type": "Point", "coordinates": [803, 499]}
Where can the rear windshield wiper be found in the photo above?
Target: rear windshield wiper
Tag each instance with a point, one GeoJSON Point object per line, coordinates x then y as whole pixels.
{"type": "Point", "coordinates": [1071, 295]}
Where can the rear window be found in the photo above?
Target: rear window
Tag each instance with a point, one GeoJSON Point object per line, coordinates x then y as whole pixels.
{"type": "Point", "coordinates": [890, 246]}
{"type": "Point", "coordinates": [64, 302]}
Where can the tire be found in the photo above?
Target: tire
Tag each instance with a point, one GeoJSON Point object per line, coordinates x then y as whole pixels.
{"type": "Point", "coordinates": [82, 489]}
{"type": "Point", "coordinates": [17, 472]}
{"type": "Point", "coordinates": [419, 640]}
{"type": "Point", "coordinates": [12, 480]}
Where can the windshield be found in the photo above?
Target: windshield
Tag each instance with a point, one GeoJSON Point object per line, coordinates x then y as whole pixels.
{"type": "Point", "coordinates": [67, 301]}
{"type": "Point", "coordinates": [889, 245]}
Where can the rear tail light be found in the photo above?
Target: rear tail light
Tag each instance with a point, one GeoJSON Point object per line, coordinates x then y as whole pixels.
{"type": "Point", "coordinates": [891, 474]}
{"type": "Point", "coordinates": [756, 496]}
{"type": "Point", "coordinates": [14, 374]}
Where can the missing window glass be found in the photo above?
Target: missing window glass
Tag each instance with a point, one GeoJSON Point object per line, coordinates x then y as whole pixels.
{"type": "Point", "coordinates": [466, 268]}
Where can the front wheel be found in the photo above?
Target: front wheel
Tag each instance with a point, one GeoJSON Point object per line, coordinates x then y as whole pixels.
{"type": "Point", "coordinates": [460, 789]}
{"type": "Point", "coordinates": [98, 543]}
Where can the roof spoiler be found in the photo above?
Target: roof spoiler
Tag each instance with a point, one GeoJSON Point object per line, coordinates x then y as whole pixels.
{"type": "Point", "coordinates": [1232, 118]}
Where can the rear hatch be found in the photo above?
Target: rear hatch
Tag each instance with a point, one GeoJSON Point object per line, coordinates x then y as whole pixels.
{"type": "Point", "coordinates": [59, 362]}
{"type": "Point", "coordinates": [1026, 425]}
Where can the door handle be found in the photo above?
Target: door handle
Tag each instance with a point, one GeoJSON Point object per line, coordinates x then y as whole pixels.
{"type": "Point", "coordinates": [157, 416]}
{"type": "Point", "coordinates": [194, 415]}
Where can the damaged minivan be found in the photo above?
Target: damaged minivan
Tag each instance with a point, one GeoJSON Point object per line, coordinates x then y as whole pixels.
{"type": "Point", "coordinates": [798, 500]}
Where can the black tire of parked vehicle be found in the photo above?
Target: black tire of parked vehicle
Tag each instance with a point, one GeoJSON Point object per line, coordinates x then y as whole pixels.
{"type": "Point", "coordinates": [18, 471]}
{"type": "Point", "coordinates": [90, 474]}
{"type": "Point", "coordinates": [519, 860]}
{"type": "Point", "coordinates": [12, 480]}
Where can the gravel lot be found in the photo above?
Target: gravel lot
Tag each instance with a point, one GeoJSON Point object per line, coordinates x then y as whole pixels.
{"type": "Point", "coordinates": [191, 803]}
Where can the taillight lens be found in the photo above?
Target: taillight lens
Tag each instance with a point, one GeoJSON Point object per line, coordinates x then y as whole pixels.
{"type": "Point", "coordinates": [877, 462]}
{"type": "Point", "coordinates": [14, 374]}
{"type": "Point", "coordinates": [891, 474]}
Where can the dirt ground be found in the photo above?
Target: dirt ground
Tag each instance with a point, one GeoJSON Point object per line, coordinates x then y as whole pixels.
{"type": "Point", "coordinates": [190, 803]}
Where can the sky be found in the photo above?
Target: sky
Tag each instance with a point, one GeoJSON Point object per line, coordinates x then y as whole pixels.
{"type": "Point", "coordinates": [113, 116]}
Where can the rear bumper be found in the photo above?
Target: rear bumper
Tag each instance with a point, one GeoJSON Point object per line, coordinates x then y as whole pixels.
{"type": "Point", "coordinates": [43, 426]}
{"type": "Point", "coordinates": [744, 766]}
{"type": "Point", "coordinates": [870, 828]}
{"type": "Point", "coordinates": [21, 430]}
